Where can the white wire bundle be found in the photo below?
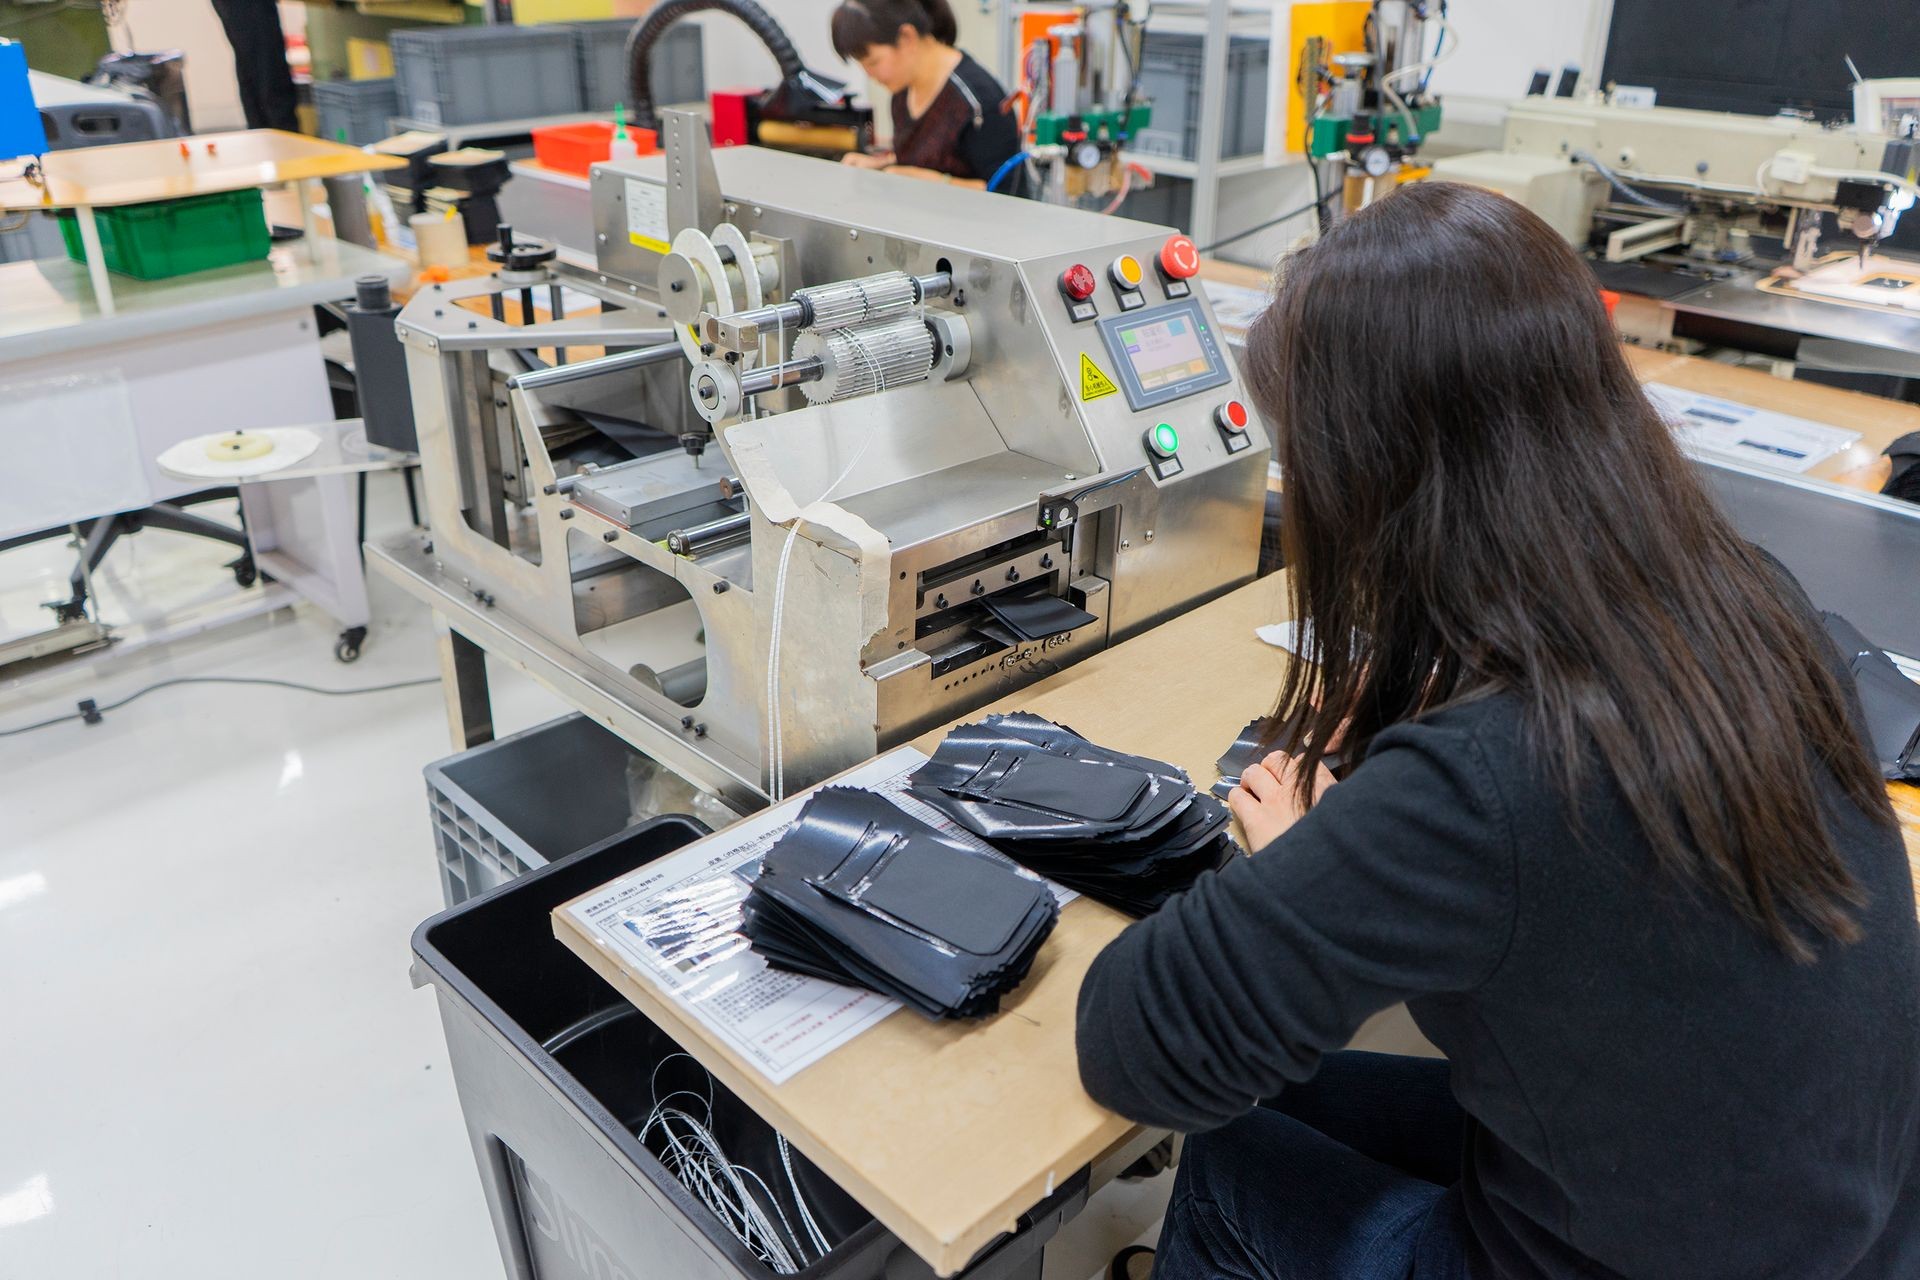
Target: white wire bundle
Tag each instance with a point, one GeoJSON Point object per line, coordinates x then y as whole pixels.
{"type": "Point", "coordinates": [693, 1155]}
{"type": "Point", "coordinates": [776, 727]}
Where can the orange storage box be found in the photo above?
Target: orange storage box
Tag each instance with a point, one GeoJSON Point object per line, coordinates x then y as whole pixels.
{"type": "Point", "coordinates": [576, 148]}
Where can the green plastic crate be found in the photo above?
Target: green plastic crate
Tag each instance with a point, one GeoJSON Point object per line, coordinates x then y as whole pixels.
{"type": "Point", "coordinates": [176, 237]}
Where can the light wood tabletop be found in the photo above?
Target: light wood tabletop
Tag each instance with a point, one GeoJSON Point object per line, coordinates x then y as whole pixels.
{"type": "Point", "coordinates": [172, 168]}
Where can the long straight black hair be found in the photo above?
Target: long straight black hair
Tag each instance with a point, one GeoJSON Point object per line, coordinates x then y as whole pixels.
{"type": "Point", "coordinates": [1480, 494]}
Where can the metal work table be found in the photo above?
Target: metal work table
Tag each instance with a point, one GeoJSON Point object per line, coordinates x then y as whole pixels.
{"type": "Point", "coordinates": [471, 627]}
{"type": "Point", "coordinates": [1821, 335]}
{"type": "Point", "coordinates": [47, 307]}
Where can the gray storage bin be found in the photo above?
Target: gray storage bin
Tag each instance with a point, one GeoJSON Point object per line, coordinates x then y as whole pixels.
{"type": "Point", "coordinates": [555, 1071]}
{"type": "Point", "coordinates": [506, 807]}
{"type": "Point", "coordinates": [679, 63]}
{"type": "Point", "coordinates": [477, 75]}
{"type": "Point", "coordinates": [357, 109]}
{"type": "Point", "coordinates": [1170, 77]}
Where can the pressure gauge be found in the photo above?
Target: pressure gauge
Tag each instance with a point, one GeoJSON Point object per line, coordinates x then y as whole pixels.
{"type": "Point", "coordinates": [1087, 155]}
{"type": "Point", "coordinates": [1375, 162]}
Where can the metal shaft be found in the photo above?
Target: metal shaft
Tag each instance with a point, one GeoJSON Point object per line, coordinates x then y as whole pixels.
{"type": "Point", "coordinates": [802, 309]}
{"type": "Point", "coordinates": [699, 539]}
{"type": "Point", "coordinates": [772, 377]}
{"type": "Point", "coordinates": [557, 374]}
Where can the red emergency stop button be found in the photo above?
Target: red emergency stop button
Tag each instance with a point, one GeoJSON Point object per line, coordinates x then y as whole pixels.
{"type": "Point", "coordinates": [1077, 282]}
{"type": "Point", "coordinates": [1232, 415]}
{"type": "Point", "coordinates": [1178, 258]}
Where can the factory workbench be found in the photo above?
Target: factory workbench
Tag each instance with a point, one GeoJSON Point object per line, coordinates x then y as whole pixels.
{"type": "Point", "coordinates": [959, 1129]}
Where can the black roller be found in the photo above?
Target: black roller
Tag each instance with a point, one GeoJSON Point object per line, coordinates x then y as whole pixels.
{"type": "Point", "coordinates": [650, 28]}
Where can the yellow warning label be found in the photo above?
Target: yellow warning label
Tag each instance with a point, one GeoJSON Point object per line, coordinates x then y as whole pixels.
{"type": "Point", "coordinates": [1093, 383]}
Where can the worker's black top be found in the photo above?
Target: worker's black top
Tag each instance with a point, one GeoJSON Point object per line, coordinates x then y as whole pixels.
{"type": "Point", "coordinates": [968, 130]}
{"type": "Point", "coordinates": [1654, 1090]}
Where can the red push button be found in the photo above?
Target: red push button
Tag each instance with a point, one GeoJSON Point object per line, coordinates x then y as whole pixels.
{"type": "Point", "coordinates": [1178, 258]}
{"type": "Point", "coordinates": [1232, 415]}
{"type": "Point", "coordinates": [1077, 283]}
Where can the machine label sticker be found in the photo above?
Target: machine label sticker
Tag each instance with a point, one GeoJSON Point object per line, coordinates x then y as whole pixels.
{"type": "Point", "coordinates": [647, 215]}
{"type": "Point", "coordinates": [1094, 383]}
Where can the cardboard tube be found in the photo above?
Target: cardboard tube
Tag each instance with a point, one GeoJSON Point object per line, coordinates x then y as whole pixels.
{"type": "Point", "coordinates": [441, 241]}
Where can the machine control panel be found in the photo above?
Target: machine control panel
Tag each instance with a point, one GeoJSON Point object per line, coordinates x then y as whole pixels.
{"type": "Point", "coordinates": [1076, 286]}
{"type": "Point", "coordinates": [1164, 354]}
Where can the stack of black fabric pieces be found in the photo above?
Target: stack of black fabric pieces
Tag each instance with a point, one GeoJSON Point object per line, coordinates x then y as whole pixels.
{"type": "Point", "coordinates": [1124, 829]}
{"type": "Point", "coordinates": [861, 892]}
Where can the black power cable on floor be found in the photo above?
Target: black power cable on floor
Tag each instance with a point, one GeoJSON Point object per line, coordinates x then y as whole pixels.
{"type": "Point", "coordinates": [91, 712]}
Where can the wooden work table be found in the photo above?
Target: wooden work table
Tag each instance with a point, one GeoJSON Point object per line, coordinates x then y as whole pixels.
{"type": "Point", "coordinates": [948, 1132]}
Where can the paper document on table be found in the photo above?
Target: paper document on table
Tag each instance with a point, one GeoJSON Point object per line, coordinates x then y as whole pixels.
{"type": "Point", "coordinates": [675, 922]}
{"type": "Point", "coordinates": [1235, 306]}
{"type": "Point", "coordinates": [1736, 430]}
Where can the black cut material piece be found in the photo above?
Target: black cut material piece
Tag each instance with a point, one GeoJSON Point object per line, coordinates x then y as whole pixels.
{"type": "Point", "coordinates": [859, 891]}
{"type": "Point", "coordinates": [1037, 617]}
{"type": "Point", "coordinates": [1890, 700]}
{"type": "Point", "coordinates": [1126, 830]}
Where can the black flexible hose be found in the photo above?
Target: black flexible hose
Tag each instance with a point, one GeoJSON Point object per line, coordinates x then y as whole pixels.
{"type": "Point", "coordinates": [650, 28]}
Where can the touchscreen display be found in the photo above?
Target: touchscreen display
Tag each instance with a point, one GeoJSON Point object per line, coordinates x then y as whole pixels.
{"type": "Point", "coordinates": [1164, 351]}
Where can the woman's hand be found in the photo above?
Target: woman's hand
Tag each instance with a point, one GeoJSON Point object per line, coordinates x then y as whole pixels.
{"type": "Point", "coordinates": [861, 160]}
{"type": "Point", "coordinates": [1266, 801]}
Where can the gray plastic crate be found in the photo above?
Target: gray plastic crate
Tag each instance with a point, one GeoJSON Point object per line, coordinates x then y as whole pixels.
{"type": "Point", "coordinates": [359, 108]}
{"type": "Point", "coordinates": [1170, 77]}
{"type": "Point", "coordinates": [502, 809]}
{"type": "Point", "coordinates": [476, 75]}
{"type": "Point", "coordinates": [679, 63]}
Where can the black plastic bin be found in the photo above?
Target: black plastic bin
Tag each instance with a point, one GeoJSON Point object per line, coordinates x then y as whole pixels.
{"type": "Point", "coordinates": [555, 1071]}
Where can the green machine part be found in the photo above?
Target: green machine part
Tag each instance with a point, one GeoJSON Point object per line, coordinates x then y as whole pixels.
{"type": "Point", "coordinates": [62, 37]}
{"type": "Point", "coordinates": [1100, 125]}
{"type": "Point", "coordinates": [1329, 133]}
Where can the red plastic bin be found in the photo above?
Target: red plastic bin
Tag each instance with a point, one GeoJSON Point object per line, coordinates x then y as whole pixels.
{"type": "Point", "coordinates": [576, 148]}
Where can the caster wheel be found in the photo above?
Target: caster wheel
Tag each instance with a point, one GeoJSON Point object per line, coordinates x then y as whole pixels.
{"type": "Point", "coordinates": [347, 647]}
{"type": "Point", "coordinates": [244, 571]}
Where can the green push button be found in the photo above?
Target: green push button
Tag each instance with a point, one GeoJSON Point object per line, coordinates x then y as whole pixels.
{"type": "Point", "coordinates": [1164, 440]}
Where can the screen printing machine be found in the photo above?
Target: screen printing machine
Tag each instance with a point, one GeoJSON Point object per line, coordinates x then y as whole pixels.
{"type": "Point", "coordinates": [1011, 433]}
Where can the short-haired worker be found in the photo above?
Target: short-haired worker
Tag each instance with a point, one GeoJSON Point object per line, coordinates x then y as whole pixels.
{"type": "Point", "coordinates": [1614, 835]}
{"type": "Point", "coordinates": [950, 118]}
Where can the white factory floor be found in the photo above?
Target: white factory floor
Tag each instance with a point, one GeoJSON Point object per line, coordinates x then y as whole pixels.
{"type": "Point", "coordinates": [216, 1065]}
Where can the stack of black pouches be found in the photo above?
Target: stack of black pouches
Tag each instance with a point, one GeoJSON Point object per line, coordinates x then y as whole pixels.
{"type": "Point", "coordinates": [861, 892]}
{"type": "Point", "coordinates": [1124, 829]}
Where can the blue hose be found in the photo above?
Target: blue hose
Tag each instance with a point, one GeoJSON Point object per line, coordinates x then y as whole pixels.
{"type": "Point", "coordinates": [1005, 169]}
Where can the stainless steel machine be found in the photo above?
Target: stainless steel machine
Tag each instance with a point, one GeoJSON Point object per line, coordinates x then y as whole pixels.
{"type": "Point", "coordinates": [921, 447]}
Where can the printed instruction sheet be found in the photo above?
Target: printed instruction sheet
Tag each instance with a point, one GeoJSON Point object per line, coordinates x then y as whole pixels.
{"type": "Point", "coordinates": [1741, 431]}
{"type": "Point", "coordinates": [676, 922]}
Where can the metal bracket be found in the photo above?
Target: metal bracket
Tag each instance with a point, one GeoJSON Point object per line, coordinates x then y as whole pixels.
{"type": "Point", "coordinates": [693, 188]}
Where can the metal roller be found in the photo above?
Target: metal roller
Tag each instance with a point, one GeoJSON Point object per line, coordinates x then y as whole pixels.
{"type": "Point", "coordinates": [863, 359]}
{"type": "Point", "coordinates": [848, 302]}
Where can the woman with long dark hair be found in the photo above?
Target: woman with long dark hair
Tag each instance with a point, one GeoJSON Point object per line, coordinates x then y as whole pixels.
{"type": "Point", "coordinates": [950, 118]}
{"type": "Point", "coordinates": [1614, 836]}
